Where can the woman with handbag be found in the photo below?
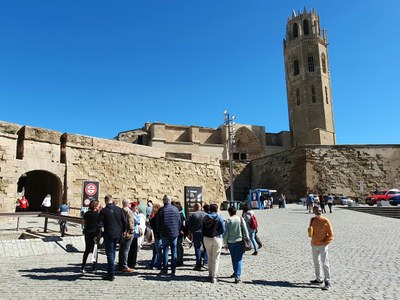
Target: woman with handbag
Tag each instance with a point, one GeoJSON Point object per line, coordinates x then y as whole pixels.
{"type": "Point", "coordinates": [235, 234]}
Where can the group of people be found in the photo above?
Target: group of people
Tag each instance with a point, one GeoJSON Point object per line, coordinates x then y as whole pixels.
{"type": "Point", "coordinates": [322, 200]}
{"type": "Point", "coordinates": [204, 228]}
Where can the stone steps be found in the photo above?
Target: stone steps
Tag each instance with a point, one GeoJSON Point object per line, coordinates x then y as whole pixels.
{"type": "Point", "coordinates": [389, 212]}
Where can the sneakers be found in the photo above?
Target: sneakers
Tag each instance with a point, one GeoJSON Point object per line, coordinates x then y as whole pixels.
{"type": "Point", "coordinates": [82, 271]}
{"type": "Point", "coordinates": [214, 280]}
{"type": "Point", "coordinates": [260, 246]}
{"type": "Point", "coordinates": [255, 253]}
{"type": "Point", "coordinates": [327, 286]}
{"type": "Point", "coordinates": [197, 268]}
{"type": "Point", "coordinates": [316, 281]}
{"type": "Point", "coordinates": [233, 275]}
{"type": "Point", "coordinates": [237, 280]}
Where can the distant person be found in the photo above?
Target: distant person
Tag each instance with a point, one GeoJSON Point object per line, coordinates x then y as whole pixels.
{"type": "Point", "coordinates": [321, 237]}
{"type": "Point", "coordinates": [89, 223]}
{"type": "Point", "coordinates": [64, 211]}
{"type": "Point", "coordinates": [322, 203]}
{"type": "Point", "coordinates": [23, 204]}
{"type": "Point", "coordinates": [112, 219]}
{"type": "Point", "coordinates": [149, 209]}
{"type": "Point", "coordinates": [329, 201]}
{"type": "Point", "coordinates": [169, 223]}
{"type": "Point", "coordinates": [282, 201]}
{"type": "Point", "coordinates": [46, 204]}
{"type": "Point", "coordinates": [310, 202]}
{"type": "Point", "coordinates": [251, 223]}
{"type": "Point", "coordinates": [127, 238]}
{"type": "Point", "coordinates": [142, 208]}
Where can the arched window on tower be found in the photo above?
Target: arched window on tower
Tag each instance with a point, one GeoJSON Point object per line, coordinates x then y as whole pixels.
{"type": "Point", "coordinates": [314, 99]}
{"type": "Point", "coordinates": [326, 95]}
{"type": "Point", "coordinates": [311, 63]}
{"type": "Point", "coordinates": [298, 96]}
{"type": "Point", "coordinates": [323, 62]}
{"type": "Point", "coordinates": [296, 68]}
{"type": "Point", "coordinates": [306, 28]}
{"type": "Point", "coordinates": [295, 30]}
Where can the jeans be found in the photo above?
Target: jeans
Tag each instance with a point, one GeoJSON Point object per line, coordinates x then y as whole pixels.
{"type": "Point", "coordinates": [214, 247]}
{"type": "Point", "coordinates": [166, 244]}
{"type": "Point", "coordinates": [320, 255]}
{"type": "Point", "coordinates": [110, 247]}
{"type": "Point", "coordinates": [237, 257]}
{"type": "Point", "coordinates": [252, 234]}
{"type": "Point", "coordinates": [124, 247]}
{"type": "Point", "coordinates": [157, 254]}
{"type": "Point", "coordinates": [201, 257]}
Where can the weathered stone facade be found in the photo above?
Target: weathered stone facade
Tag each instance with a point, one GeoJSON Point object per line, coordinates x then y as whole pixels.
{"type": "Point", "coordinates": [37, 161]}
{"type": "Point", "coordinates": [353, 170]}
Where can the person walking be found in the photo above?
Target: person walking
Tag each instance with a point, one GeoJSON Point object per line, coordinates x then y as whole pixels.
{"type": "Point", "coordinates": [252, 226]}
{"type": "Point", "coordinates": [46, 204]}
{"type": "Point", "coordinates": [329, 201]}
{"type": "Point", "coordinates": [195, 225]}
{"type": "Point", "coordinates": [126, 240]}
{"type": "Point", "coordinates": [64, 211]}
{"type": "Point", "coordinates": [90, 231]}
{"type": "Point", "coordinates": [233, 236]}
{"type": "Point", "coordinates": [168, 223]}
{"type": "Point", "coordinates": [310, 202]}
{"type": "Point", "coordinates": [213, 229]}
{"type": "Point", "coordinates": [112, 219]}
{"type": "Point", "coordinates": [23, 204]}
{"type": "Point", "coordinates": [321, 233]}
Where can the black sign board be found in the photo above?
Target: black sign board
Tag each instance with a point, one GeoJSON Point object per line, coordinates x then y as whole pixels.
{"type": "Point", "coordinates": [193, 194]}
{"type": "Point", "coordinates": [90, 192]}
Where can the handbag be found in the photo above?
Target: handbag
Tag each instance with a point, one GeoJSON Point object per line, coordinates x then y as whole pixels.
{"type": "Point", "coordinates": [246, 243]}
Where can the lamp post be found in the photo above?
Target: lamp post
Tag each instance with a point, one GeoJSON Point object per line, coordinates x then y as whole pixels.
{"type": "Point", "coordinates": [229, 122]}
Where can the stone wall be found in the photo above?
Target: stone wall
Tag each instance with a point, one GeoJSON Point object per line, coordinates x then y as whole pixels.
{"type": "Point", "coordinates": [353, 170]}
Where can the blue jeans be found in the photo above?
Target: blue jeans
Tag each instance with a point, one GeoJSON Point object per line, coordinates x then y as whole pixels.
{"type": "Point", "coordinates": [110, 247]}
{"type": "Point", "coordinates": [252, 234]}
{"type": "Point", "coordinates": [237, 256]}
{"type": "Point", "coordinates": [166, 243]}
{"type": "Point", "coordinates": [157, 254]}
{"type": "Point", "coordinates": [201, 257]}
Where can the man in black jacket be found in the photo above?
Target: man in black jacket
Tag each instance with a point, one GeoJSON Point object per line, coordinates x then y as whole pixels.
{"type": "Point", "coordinates": [112, 219]}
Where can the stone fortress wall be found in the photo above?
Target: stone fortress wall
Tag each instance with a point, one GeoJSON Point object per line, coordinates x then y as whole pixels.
{"type": "Point", "coordinates": [353, 170]}
{"type": "Point", "coordinates": [58, 164]}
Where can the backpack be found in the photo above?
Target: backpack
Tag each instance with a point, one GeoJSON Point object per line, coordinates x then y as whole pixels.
{"type": "Point", "coordinates": [253, 222]}
{"type": "Point", "coordinates": [210, 226]}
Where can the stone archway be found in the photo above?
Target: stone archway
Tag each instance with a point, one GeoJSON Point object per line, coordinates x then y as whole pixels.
{"type": "Point", "coordinates": [36, 185]}
{"type": "Point", "coordinates": [247, 144]}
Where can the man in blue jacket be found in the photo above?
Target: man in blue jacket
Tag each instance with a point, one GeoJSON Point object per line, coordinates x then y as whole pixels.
{"type": "Point", "coordinates": [168, 224]}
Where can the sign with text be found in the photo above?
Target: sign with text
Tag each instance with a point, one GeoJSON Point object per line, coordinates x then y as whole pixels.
{"type": "Point", "coordinates": [193, 195]}
{"type": "Point", "coordinates": [90, 192]}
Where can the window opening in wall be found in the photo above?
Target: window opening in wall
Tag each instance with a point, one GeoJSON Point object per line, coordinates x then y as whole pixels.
{"type": "Point", "coordinates": [323, 63]}
{"type": "Point", "coordinates": [140, 140]}
{"type": "Point", "coordinates": [20, 143]}
{"type": "Point", "coordinates": [314, 99]}
{"type": "Point", "coordinates": [306, 27]}
{"type": "Point", "coordinates": [326, 95]}
{"type": "Point", "coordinates": [296, 68]}
{"type": "Point", "coordinates": [295, 30]}
{"type": "Point", "coordinates": [298, 96]}
{"type": "Point", "coordinates": [235, 156]}
{"type": "Point", "coordinates": [310, 63]}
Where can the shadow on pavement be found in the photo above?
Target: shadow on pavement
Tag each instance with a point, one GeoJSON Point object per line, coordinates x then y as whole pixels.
{"type": "Point", "coordinates": [286, 284]}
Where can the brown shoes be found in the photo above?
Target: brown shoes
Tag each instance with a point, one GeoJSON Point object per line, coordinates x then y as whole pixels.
{"type": "Point", "coordinates": [127, 270]}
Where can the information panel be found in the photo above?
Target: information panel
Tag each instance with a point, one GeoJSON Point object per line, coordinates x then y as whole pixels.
{"type": "Point", "coordinates": [193, 194]}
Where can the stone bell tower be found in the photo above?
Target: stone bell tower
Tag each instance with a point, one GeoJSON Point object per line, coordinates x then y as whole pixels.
{"type": "Point", "coordinates": [308, 82]}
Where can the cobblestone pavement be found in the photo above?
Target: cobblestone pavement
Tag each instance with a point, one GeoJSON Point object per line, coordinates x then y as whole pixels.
{"type": "Point", "coordinates": [364, 261]}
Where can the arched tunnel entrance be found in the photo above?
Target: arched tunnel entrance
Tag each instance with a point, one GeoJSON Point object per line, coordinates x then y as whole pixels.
{"type": "Point", "coordinates": [35, 185]}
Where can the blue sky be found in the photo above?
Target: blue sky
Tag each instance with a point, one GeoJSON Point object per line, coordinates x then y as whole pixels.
{"type": "Point", "coordinates": [100, 67]}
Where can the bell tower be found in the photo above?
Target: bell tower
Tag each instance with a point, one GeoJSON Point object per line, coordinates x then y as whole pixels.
{"type": "Point", "coordinates": [308, 83]}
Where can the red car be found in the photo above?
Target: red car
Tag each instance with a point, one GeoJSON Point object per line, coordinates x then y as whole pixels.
{"type": "Point", "coordinates": [383, 195]}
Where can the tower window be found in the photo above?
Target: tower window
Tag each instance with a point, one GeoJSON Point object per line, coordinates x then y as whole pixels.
{"type": "Point", "coordinates": [310, 63]}
{"type": "Point", "coordinates": [326, 95]}
{"type": "Point", "coordinates": [314, 99]}
{"type": "Point", "coordinates": [306, 28]}
{"type": "Point", "coordinates": [298, 96]}
{"type": "Point", "coordinates": [295, 30]}
{"type": "Point", "coordinates": [296, 68]}
{"type": "Point", "coordinates": [323, 62]}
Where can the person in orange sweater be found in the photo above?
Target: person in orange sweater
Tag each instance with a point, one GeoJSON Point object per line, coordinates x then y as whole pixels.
{"type": "Point", "coordinates": [321, 235]}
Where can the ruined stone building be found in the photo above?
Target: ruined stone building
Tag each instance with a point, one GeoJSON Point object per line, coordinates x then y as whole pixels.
{"type": "Point", "coordinates": [164, 158]}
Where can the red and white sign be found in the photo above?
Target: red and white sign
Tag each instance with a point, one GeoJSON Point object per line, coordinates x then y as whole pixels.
{"type": "Point", "coordinates": [91, 189]}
